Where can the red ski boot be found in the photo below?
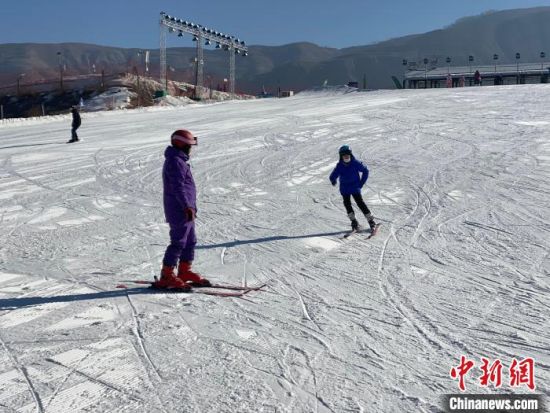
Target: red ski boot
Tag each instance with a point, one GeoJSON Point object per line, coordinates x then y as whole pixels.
{"type": "Point", "coordinates": [169, 281]}
{"type": "Point", "coordinates": [187, 276]}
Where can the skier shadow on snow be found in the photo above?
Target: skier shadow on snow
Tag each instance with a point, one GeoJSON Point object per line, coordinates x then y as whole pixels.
{"type": "Point", "coordinates": [22, 302]}
{"type": "Point", "coordinates": [29, 145]}
{"type": "Point", "coordinates": [236, 243]}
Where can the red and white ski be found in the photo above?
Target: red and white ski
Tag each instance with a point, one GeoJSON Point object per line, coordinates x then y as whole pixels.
{"type": "Point", "coordinates": [374, 231]}
{"type": "Point", "coordinates": [234, 290]}
{"type": "Point", "coordinates": [353, 231]}
{"type": "Point", "coordinates": [360, 230]}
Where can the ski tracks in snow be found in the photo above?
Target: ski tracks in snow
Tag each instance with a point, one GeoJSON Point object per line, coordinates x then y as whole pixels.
{"type": "Point", "coordinates": [343, 326]}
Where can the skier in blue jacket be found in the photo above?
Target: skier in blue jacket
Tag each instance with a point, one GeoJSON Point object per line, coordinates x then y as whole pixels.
{"type": "Point", "coordinates": [352, 175]}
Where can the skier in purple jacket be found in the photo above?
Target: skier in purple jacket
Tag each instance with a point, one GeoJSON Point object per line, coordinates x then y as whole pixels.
{"type": "Point", "coordinates": [353, 175]}
{"type": "Point", "coordinates": [180, 207]}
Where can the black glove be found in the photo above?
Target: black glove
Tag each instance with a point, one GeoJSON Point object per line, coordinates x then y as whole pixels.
{"type": "Point", "coordinates": [189, 214]}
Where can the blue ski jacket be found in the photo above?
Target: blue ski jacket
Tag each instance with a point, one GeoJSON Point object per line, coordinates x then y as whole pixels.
{"type": "Point", "coordinates": [353, 176]}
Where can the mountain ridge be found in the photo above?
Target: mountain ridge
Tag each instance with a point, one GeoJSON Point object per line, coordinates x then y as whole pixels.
{"type": "Point", "coordinates": [301, 65]}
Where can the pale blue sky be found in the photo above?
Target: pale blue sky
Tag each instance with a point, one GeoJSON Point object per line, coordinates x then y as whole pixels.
{"type": "Point", "coordinates": [134, 23]}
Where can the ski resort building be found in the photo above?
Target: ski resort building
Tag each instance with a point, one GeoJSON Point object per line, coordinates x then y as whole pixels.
{"type": "Point", "coordinates": [465, 75]}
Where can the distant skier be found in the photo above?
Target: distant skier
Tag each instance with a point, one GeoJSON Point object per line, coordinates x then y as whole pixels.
{"type": "Point", "coordinates": [477, 78]}
{"type": "Point", "coordinates": [75, 125]}
{"type": "Point", "coordinates": [353, 175]}
{"type": "Point", "coordinates": [180, 207]}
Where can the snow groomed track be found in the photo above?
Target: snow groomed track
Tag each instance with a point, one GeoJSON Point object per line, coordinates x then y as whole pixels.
{"type": "Point", "coordinates": [459, 180]}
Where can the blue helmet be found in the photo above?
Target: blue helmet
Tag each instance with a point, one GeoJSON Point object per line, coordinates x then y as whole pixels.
{"type": "Point", "coordinates": [344, 150]}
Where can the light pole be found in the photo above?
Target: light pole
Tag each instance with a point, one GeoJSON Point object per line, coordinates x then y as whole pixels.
{"type": "Point", "coordinates": [19, 77]}
{"type": "Point", "coordinates": [448, 60]}
{"type": "Point", "coordinates": [542, 57]}
{"type": "Point", "coordinates": [209, 78]}
{"type": "Point", "coordinates": [518, 56]}
{"type": "Point", "coordinates": [60, 60]}
{"type": "Point", "coordinates": [425, 73]}
{"type": "Point", "coordinates": [136, 69]}
{"type": "Point", "coordinates": [495, 58]}
{"type": "Point", "coordinates": [470, 60]}
{"type": "Point", "coordinates": [140, 54]}
{"type": "Point", "coordinates": [405, 63]}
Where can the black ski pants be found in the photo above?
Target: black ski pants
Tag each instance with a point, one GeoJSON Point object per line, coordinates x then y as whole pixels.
{"type": "Point", "coordinates": [358, 200]}
{"type": "Point", "coordinates": [74, 135]}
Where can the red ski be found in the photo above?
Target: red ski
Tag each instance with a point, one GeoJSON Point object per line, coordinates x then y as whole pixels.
{"type": "Point", "coordinates": [352, 232]}
{"type": "Point", "coordinates": [223, 286]}
{"type": "Point", "coordinates": [361, 230]}
{"type": "Point", "coordinates": [374, 231]}
{"type": "Point", "coordinates": [235, 290]}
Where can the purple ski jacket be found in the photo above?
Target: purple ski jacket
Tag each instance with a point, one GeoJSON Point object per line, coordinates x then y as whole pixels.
{"type": "Point", "coordinates": [179, 186]}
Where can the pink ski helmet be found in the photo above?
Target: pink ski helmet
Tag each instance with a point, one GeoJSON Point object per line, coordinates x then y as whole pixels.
{"type": "Point", "coordinates": [183, 137]}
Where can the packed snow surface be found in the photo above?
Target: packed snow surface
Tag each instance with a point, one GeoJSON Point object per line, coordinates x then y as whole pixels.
{"type": "Point", "coordinates": [459, 179]}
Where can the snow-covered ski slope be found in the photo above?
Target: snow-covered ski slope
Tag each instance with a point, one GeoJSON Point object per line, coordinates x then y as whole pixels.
{"type": "Point", "coordinates": [459, 180]}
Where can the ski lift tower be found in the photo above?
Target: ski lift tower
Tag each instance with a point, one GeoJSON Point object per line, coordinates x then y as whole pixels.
{"type": "Point", "coordinates": [200, 33]}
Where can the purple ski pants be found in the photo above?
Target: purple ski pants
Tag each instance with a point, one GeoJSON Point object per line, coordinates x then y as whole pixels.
{"type": "Point", "coordinates": [182, 243]}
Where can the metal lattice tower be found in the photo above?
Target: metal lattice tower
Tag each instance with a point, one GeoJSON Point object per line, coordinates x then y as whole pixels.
{"type": "Point", "coordinates": [199, 79]}
{"type": "Point", "coordinates": [232, 71]}
{"type": "Point", "coordinates": [163, 82]}
{"type": "Point", "coordinates": [223, 41]}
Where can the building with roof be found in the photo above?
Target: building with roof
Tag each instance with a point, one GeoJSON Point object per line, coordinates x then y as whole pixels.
{"type": "Point", "coordinates": [465, 75]}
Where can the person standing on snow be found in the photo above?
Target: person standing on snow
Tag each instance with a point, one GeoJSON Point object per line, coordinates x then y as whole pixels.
{"type": "Point", "coordinates": [75, 125]}
{"type": "Point", "coordinates": [477, 78]}
{"type": "Point", "coordinates": [353, 175]}
{"type": "Point", "coordinates": [180, 208]}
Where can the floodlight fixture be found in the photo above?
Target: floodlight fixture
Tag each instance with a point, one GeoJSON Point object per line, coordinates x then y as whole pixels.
{"type": "Point", "coordinates": [199, 33]}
